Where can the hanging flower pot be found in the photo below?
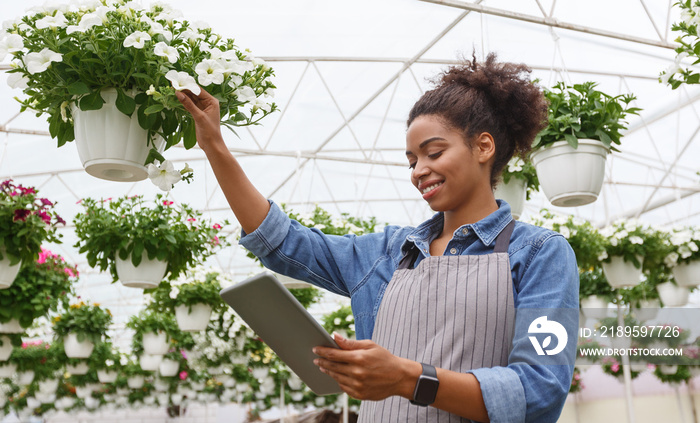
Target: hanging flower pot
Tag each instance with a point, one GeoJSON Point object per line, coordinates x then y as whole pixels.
{"type": "Point", "coordinates": [75, 348]}
{"type": "Point", "coordinates": [161, 385]}
{"type": "Point", "coordinates": [219, 370]}
{"type": "Point", "coordinates": [668, 370]}
{"type": "Point", "coordinates": [8, 272]}
{"type": "Point", "coordinates": [687, 274]}
{"type": "Point", "coordinates": [571, 177]}
{"type": "Point", "coordinates": [11, 327]}
{"type": "Point", "coordinates": [150, 362]}
{"type": "Point", "coordinates": [194, 318]}
{"type": "Point", "coordinates": [647, 310]}
{"type": "Point", "coordinates": [49, 386]}
{"type": "Point", "coordinates": [6, 348]}
{"type": "Point", "coordinates": [25, 378]}
{"type": "Point", "coordinates": [260, 372]}
{"type": "Point", "coordinates": [168, 368]}
{"type": "Point", "coordinates": [155, 343]}
{"type": "Point", "coordinates": [621, 273]}
{"type": "Point", "coordinates": [147, 274]}
{"type": "Point", "coordinates": [45, 398]}
{"type": "Point", "coordinates": [83, 392]}
{"type": "Point", "coordinates": [514, 193]}
{"type": "Point", "coordinates": [638, 367]}
{"type": "Point", "coordinates": [78, 369]}
{"type": "Point", "coordinates": [7, 370]}
{"type": "Point", "coordinates": [594, 307]}
{"type": "Point", "coordinates": [107, 376]}
{"type": "Point", "coordinates": [672, 295]}
{"type": "Point", "coordinates": [135, 382]}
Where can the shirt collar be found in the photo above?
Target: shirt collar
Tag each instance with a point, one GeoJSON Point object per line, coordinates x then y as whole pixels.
{"type": "Point", "coordinates": [487, 229]}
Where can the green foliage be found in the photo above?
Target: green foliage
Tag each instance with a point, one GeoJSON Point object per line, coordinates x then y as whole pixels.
{"type": "Point", "coordinates": [85, 320]}
{"type": "Point", "coordinates": [593, 282]}
{"type": "Point", "coordinates": [676, 75]}
{"type": "Point", "coordinates": [41, 286]}
{"type": "Point", "coordinates": [37, 356]}
{"type": "Point", "coordinates": [582, 112]}
{"type": "Point", "coordinates": [306, 296]}
{"type": "Point", "coordinates": [684, 246]}
{"type": "Point", "coordinates": [682, 374]}
{"type": "Point", "coordinates": [576, 383]}
{"type": "Point", "coordinates": [26, 221]}
{"type": "Point", "coordinates": [195, 286]}
{"type": "Point", "coordinates": [128, 228]}
{"type": "Point", "coordinates": [105, 357]}
{"type": "Point", "coordinates": [633, 240]}
{"type": "Point", "coordinates": [341, 321]}
{"type": "Point", "coordinates": [132, 368]}
{"type": "Point", "coordinates": [613, 367]}
{"type": "Point", "coordinates": [523, 170]}
{"type": "Point", "coordinates": [148, 321]}
{"type": "Point", "coordinates": [96, 58]}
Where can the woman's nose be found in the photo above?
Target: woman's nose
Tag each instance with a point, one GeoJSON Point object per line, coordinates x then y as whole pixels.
{"type": "Point", "coordinates": [420, 170]}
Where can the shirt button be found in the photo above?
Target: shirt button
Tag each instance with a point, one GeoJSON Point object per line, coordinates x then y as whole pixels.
{"type": "Point", "coordinates": [465, 231]}
{"type": "Point", "coordinates": [453, 251]}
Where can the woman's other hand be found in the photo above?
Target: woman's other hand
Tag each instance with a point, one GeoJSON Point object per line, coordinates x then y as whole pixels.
{"type": "Point", "coordinates": [205, 111]}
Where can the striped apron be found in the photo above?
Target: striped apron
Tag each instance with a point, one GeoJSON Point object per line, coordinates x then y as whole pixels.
{"type": "Point", "coordinates": [453, 312]}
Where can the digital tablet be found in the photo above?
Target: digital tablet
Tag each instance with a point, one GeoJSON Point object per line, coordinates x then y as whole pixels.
{"type": "Point", "coordinates": [284, 325]}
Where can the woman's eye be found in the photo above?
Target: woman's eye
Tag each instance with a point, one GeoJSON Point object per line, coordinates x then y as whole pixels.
{"type": "Point", "coordinates": [411, 165]}
{"type": "Point", "coordinates": [435, 155]}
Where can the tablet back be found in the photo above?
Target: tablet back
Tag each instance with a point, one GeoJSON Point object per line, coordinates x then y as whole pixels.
{"type": "Point", "coordinates": [284, 325]}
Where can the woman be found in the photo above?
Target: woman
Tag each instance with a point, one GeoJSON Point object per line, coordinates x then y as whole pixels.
{"type": "Point", "coordinates": [434, 306]}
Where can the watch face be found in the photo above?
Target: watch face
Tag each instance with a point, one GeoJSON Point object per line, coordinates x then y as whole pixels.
{"type": "Point", "coordinates": [426, 390]}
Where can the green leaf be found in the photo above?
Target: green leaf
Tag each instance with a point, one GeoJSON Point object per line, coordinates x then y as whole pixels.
{"type": "Point", "coordinates": [572, 140]}
{"type": "Point", "coordinates": [78, 88]}
{"type": "Point", "coordinates": [125, 104]}
{"type": "Point", "coordinates": [694, 78]}
{"type": "Point", "coordinates": [153, 109]}
{"type": "Point", "coordinates": [145, 121]}
{"type": "Point", "coordinates": [189, 135]}
{"type": "Point", "coordinates": [92, 101]}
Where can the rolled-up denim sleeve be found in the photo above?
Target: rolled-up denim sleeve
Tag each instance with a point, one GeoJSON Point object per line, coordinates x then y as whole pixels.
{"type": "Point", "coordinates": [333, 262]}
{"type": "Point", "coordinates": [530, 389]}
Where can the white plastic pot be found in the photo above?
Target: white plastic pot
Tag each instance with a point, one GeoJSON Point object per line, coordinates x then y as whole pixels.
{"type": "Point", "coordinates": [6, 348]}
{"type": "Point", "coordinates": [648, 309]}
{"type": "Point", "coordinates": [176, 399]}
{"type": "Point", "coordinates": [161, 385]}
{"type": "Point", "coordinates": [49, 386]}
{"type": "Point", "coordinates": [111, 145]}
{"type": "Point", "coordinates": [149, 400]}
{"type": "Point", "coordinates": [83, 392]}
{"type": "Point", "coordinates": [8, 273]}
{"type": "Point", "coordinates": [297, 396]}
{"type": "Point", "coordinates": [218, 370]}
{"type": "Point", "coordinates": [25, 378]}
{"type": "Point", "coordinates": [638, 367]}
{"type": "Point", "coordinates": [163, 399]}
{"type": "Point", "coordinates": [260, 372]}
{"type": "Point", "coordinates": [168, 367]}
{"type": "Point", "coordinates": [571, 177]}
{"type": "Point", "coordinates": [594, 307]}
{"type": "Point", "coordinates": [107, 376]}
{"type": "Point", "coordinates": [514, 193]}
{"type": "Point", "coordinates": [75, 348]}
{"type": "Point", "coordinates": [11, 327]}
{"type": "Point", "coordinates": [620, 273]}
{"type": "Point", "coordinates": [668, 370]}
{"type": "Point", "coordinates": [672, 295]}
{"type": "Point", "coordinates": [78, 369]}
{"type": "Point", "coordinates": [150, 362]}
{"type": "Point", "coordinates": [687, 274]}
{"type": "Point", "coordinates": [155, 343]}
{"type": "Point", "coordinates": [45, 398]}
{"type": "Point", "coordinates": [7, 370]}
{"type": "Point", "coordinates": [194, 321]}
{"type": "Point", "coordinates": [147, 274]}
{"type": "Point", "coordinates": [135, 382]}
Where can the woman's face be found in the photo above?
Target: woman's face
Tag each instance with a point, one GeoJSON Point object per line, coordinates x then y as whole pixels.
{"type": "Point", "coordinates": [444, 168]}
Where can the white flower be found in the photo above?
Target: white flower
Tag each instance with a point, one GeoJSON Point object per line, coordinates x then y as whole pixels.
{"type": "Point", "coordinates": [200, 25]}
{"type": "Point", "coordinates": [39, 62]}
{"type": "Point", "coordinates": [235, 81]}
{"type": "Point", "coordinates": [693, 246]}
{"type": "Point", "coordinates": [337, 321]}
{"type": "Point", "coordinates": [685, 252]}
{"type": "Point", "coordinates": [607, 231]}
{"type": "Point", "coordinates": [183, 81]}
{"type": "Point", "coordinates": [244, 94]}
{"type": "Point", "coordinates": [671, 259]}
{"type": "Point", "coordinates": [165, 176]}
{"type": "Point", "coordinates": [169, 17]}
{"type": "Point", "coordinates": [56, 21]}
{"type": "Point", "coordinates": [307, 222]}
{"type": "Point", "coordinates": [86, 22]}
{"type": "Point", "coordinates": [64, 107]}
{"type": "Point", "coordinates": [210, 72]}
{"type": "Point", "coordinates": [621, 235]}
{"type": "Point", "coordinates": [157, 28]}
{"type": "Point", "coordinates": [565, 231]}
{"type": "Point", "coordinates": [270, 93]}
{"type": "Point", "coordinates": [320, 226]}
{"type": "Point", "coordinates": [137, 39]}
{"type": "Point", "coordinates": [192, 36]}
{"type": "Point", "coordinates": [10, 43]}
{"type": "Point", "coordinates": [636, 240]}
{"type": "Point", "coordinates": [151, 90]}
{"type": "Point", "coordinates": [515, 165]}
{"type": "Point", "coordinates": [173, 292]}
{"type": "Point", "coordinates": [350, 318]}
{"type": "Point", "coordinates": [680, 238]}
{"type": "Point", "coordinates": [163, 50]}
{"type": "Point", "coordinates": [261, 104]}
{"type": "Point", "coordinates": [673, 68]}
{"type": "Point", "coordinates": [17, 80]}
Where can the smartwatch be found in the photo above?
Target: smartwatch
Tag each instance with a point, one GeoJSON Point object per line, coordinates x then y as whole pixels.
{"type": "Point", "coordinates": [426, 387]}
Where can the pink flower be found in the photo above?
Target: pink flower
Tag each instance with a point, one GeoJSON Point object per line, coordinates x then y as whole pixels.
{"type": "Point", "coordinates": [184, 355]}
{"type": "Point", "coordinates": [45, 202]}
{"type": "Point", "coordinates": [79, 201]}
{"type": "Point", "coordinates": [191, 219]}
{"type": "Point", "coordinates": [44, 216]}
{"type": "Point", "coordinates": [21, 214]}
{"type": "Point", "coordinates": [167, 203]}
{"type": "Point", "coordinates": [14, 194]}
{"type": "Point", "coordinates": [615, 367]}
{"type": "Point", "coordinates": [183, 375]}
{"type": "Point", "coordinates": [215, 240]}
{"type": "Point", "coordinates": [24, 345]}
{"type": "Point", "coordinates": [70, 272]}
{"type": "Point", "coordinates": [216, 226]}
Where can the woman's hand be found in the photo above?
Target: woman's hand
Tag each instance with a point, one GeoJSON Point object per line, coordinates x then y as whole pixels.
{"type": "Point", "coordinates": [366, 371]}
{"type": "Point", "coordinates": [205, 111]}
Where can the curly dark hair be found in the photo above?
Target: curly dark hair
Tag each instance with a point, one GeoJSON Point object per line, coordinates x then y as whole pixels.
{"type": "Point", "coordinates": [493, 97]}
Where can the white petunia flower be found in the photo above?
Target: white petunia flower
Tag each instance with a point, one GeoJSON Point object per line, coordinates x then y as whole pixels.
{"type": "Point", "coordinates": [56, 21]}
{"type": "Point", "coordinates": [515, 165]}
{"type": "Point", "coordinates": [337, 321]}
{"type": "Point", "coordinates": [173, 292]}
{"type": "Point", "coordinates": [671, 260]}
{"type": "Point", "coordinates": [210, 72]}
{"type": "Point", "coordinates": [151, 90]}
{"type": "Point", "coordinates": [183, 81]}
{"type": "Point", "coordinates": [192, 36]}
{"type": "Point", "coordinates": [235, 81]}
{"type": "Point", "coordinates": [564, 230]}
{"type": "Point", "coordinates": [163, 50]}
{"type": "Point", "coordinates": [39, 62]}
{"type": "Point", "coordinates": [244, 94]}
{"type": "Point", "coordinates": [200, 25]}
{"type": "Point", "coordinates": [169, 17]}
{"type": "Point", "coordinates": [10, 43]}
{"type": "Point", "coordinates": [350, 318]}
{"type": "Point", "coordinates": [320, 226]}
{"type": "Point", "coordinates": [17, 80]}
{"type": "Point", "coordinates": [269, 93]}
{"type": "Point", "coordinates": [137, 39]}
{"type": "Point", "coordinates": [685, 252]}
{"type": "Point", "coordinates": [636, 240]}
{"type": "Point", "coordinates": [86, 22]}
{"type": "Point", "coordinates": [613, 242]}
{"type": "Point", "coordinates": [165, 176]}
{"type": "Point", "coordinates": [260, 104]}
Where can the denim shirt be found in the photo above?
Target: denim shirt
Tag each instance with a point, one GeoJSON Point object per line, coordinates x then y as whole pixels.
{"type": "Point", "coordinates": [543, 266]}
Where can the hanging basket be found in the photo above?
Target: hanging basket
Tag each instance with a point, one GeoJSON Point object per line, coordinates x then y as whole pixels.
{"type": "Point", "coordinates": [194, 321]}
{"type": "Point", "coordinates": [45, 398]}
{"type": "Point", "coordinates": [75, 348]}
{"type": "Point", "coordinates": [11, 327]}
{"type": "Point", "coordinates": [687, 274]}
{"type": "Point", "coordinates": [135, 382]}
{"type": "Point", "coordinates": [621, 273]}
{"type": "Point", "coordinates": [571, 177]}
{"type": "Point", "coordinates": [25, 378]}
{"type": "Point", "coordinates": [594, 307]}
{"type": "Point", "coordinates": [168, 368]}
{"type": "Point", "coordinates": [6, 348]}
{"type": "Point", "coordinates": [155, 343]}
{"type": "Point", "coordinates": [648, 309]}
{"type": "Point", "coordinates": [8, 273]}
{"type": "Point", "coordinates": [7, 370]}
{"type": "Point", "coordinates": [78, 369]}
{"type": "Point", "coordinates": [107, 376]}
{"type": "Point", "coordinates": [149, 362]}
{"type": "Point", "coordinates": [111, 145]}
{"type": "Point", "coordinates": [672, 295]}
{"type": "Point", "coordinates": [514, 193]}
{"type": "Point", "coordinates": [668, 370]}
{"type": "Point", "coordinates": [147, 274]}
{"type": "Point", "coordinates": [49, 386]}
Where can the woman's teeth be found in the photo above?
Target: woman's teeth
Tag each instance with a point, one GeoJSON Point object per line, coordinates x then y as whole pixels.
{"type": "Point", "coordinates": [430, 188]}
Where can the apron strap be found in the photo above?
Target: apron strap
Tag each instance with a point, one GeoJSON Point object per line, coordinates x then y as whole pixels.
{"type": "Point", "coordinates": [503, 239]}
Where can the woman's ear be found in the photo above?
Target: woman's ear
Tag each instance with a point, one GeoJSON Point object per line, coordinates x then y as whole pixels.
{"type": "Point", "coordinates": [485, 147]}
